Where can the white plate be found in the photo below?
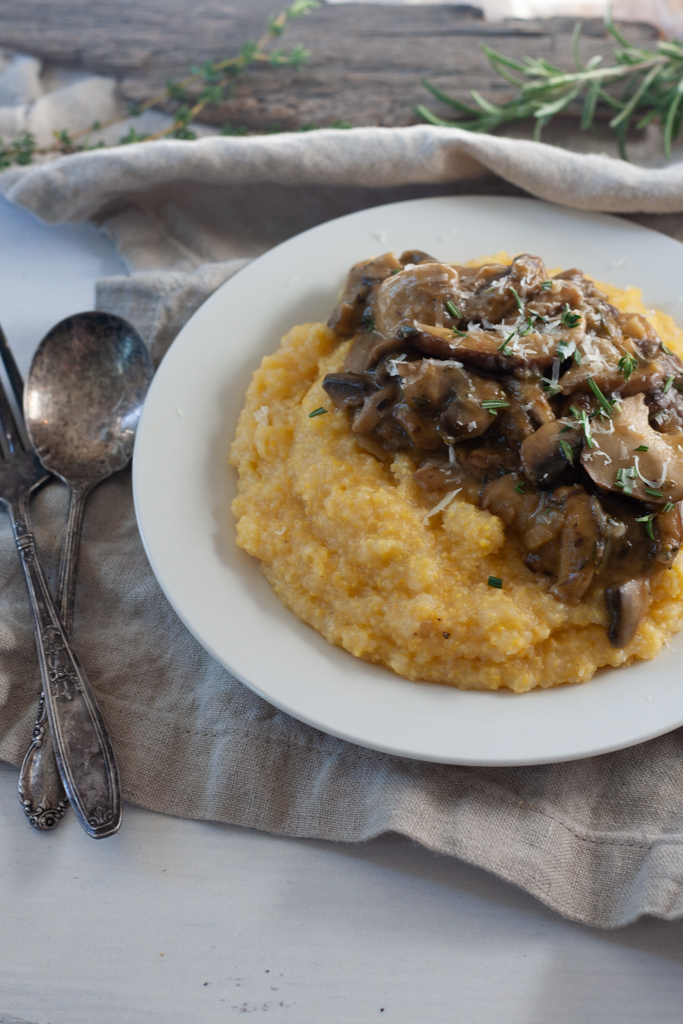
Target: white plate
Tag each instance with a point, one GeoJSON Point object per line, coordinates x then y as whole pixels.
{"type": "Point", "coordinates": [219, 592]}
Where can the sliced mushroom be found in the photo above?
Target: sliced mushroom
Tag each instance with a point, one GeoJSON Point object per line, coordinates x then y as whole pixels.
{"type": "Point", "coordinates": [418, 292]}
{"type": "Point", "coordinates": [416, 256]}
{"type": "Point", "coordinates": [348, 390]}
{"type": "Point", "coordinates": [369, 348]}
{"type": "Point", "coordinates": [458, 397]}
{"type": "Point", "coordinates": [549, 451]}
{"type": "Point", "coordinates": [361, 282]}
{"type": "Point", "coordinates": [628, 456]}
{"type": "Point", "coordinates": [376, 406]}
{"type": "Point", "coordinates": [529, 408]}
{"type": "Point", "coordinates": [604, 361]}
{"type": "Point", "coordinates": [510, 500]}
{"type": "Point", "coordinates": [440, 475]}
{"type": "Point", "coordinates": [486, 292]}
{"type": "Point", "coordinates": [635, 326]}
{"type": "Point", "coordinates": [580, 543]}
{"type": "Point", "coordinates": [626, 604]}
{"type": "Point", "coordinates": [665, 407]}
{"type": "Point", "coordinates": [487, 350]}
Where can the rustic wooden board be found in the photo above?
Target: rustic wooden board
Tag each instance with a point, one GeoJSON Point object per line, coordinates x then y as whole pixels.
{"type": "Point", "coordinates": [365, 67]}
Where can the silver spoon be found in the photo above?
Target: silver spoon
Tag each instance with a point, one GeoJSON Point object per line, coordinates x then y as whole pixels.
{"type": "Point", "coordinates": [82, 402]}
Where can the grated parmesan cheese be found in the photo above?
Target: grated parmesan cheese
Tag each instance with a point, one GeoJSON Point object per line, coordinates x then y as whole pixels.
{"type": "Point", "coordinates": [442, 504]}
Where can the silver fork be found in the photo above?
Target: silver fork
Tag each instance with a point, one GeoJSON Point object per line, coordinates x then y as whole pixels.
{"type": "Point", "coordinates": [82, 749]}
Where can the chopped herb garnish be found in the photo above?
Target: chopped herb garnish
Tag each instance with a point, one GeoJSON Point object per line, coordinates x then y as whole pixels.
{"type": "Point", "coordinates": [641, 448]}
{"type": "Point", "coordinates": [565, 429]}
{"type": "Point", "coordinates": [620, 477]}
{"type": "Point", "coordinates": [648, 524]}
{"type": "Point", "coordinates": [454, 311]}
{"type": "Point", "coordinates": [520, 304]}
{"type": "Point", "coordinates": [568, 318]}
{"type": "Point", "coordinates": [397, 271]}
{"type": "Point", "coordinates": [496, 581]}
{"type": "Point", "coordinates": [679, 387]}
{"type": "Point", "coordinates": [529, 326]}
{"type": "Point", "coordinates": [546, 286]}
{"type": "Point", "coordinates": [627, 364]}
{"type": "Point", "coordinates": [582, 417]}
{"type": "Point", "coordinates": [567, 451]}
{"type": "Point", "coordinates": [494, 404]}
{"type": "Point", "coordinates": [461, 334]}
{"type": "Point", "coordinates": [627, 490]}
{"type": "Point", "coordinates": [367, 323]}
{"type": "Point", "coordinates": [669, 507]}
{"type": "Point", "coordinates": [520, 487]}
{"type": "Point", "coordinates": [577, 357]}
{"type": "Point", "coordinates": [665, 349]}
{"type": "Point", "coordinates": [604, 402]}
{"type": "Point", "coordinates": [317, 412]}
{"type": "Point", "coordinates": [667, 385]}
{"type": "Point", "coordinates": [653, 493]}
{"type": "Point", "coordinates": [503, 348]}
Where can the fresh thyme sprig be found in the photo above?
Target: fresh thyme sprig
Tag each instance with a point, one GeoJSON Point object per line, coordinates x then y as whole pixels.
{"type": "Point", "coordinates": [216, 79]}
{"type": "Point", "coordinates": [651, 90]}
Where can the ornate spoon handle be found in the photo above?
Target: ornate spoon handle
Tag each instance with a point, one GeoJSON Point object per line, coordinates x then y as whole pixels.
{"type": "Point", "coordinates": [84, 755]}
{"type": "Point", "coordinates": [41, 792]}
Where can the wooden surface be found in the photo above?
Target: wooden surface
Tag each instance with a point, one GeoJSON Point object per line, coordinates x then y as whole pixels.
{"type": "Point", "coordinates": [365, 67]}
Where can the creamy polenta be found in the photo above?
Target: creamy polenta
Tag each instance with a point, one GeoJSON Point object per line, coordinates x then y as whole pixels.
{"type": "Point", "coordinates": [400, 575]}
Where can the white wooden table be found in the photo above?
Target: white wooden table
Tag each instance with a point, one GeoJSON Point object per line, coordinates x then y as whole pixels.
{"type": "Point", "coordinates": [182, 922]}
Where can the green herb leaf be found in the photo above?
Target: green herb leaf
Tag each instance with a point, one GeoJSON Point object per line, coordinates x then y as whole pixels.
{"type": "Point", "coordinates": [604, 402]}
{"type": "Point", "coordinates": [546, 286]}
{"type": "Point", "coordinates": [648, 524]}
{"type": "Point", "coordinates": [320, 411]}
{"type": "Point", "coordinates": [495, 581]}
{"type": "Point", "coordinates": [454, 311]}
{"type": "Point", "coordinates": [493, 404]}
{"type": "Point", "coordinates": [653, 493]}
{"type": "Point", "coordinates": [520, 304]}
{"type": "Point", "coordinates": [569, 318]}
{"type": "Point", "coordinates": [460, 334]}
{"type": "Point", "coordinates": [520, 487]}
{"type": "Point", "coordinates": [669, 507]}
{"type": "Point", "coordinates": [641, 448]}
{"type": "Point", "coordinates": [503, 348]}
{"type": "Point", "coordinates": [627, 364]}
{"type": "Point", "coordinates": [665, 349]}
{"type": "Point", "coordinates": [567, 451]}
{"type": "Point", "coordinates": [667, 385]}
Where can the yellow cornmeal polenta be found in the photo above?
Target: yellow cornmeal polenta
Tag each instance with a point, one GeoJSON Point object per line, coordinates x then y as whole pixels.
{"type": "Point", "coordinates": [344, 542]}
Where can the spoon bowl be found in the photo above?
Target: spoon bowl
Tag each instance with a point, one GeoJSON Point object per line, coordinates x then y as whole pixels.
{"type": "Point", "coordinates": [84, 396]}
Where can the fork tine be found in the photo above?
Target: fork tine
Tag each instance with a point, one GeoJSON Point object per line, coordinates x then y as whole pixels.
{"type": "Point", "coordinates": [5, 413]}
{"type": "Point", "coordinates": [10, 438]}
{"type": "Point", "coordinates": [17, 385]}
{"type": "Point", "coordinates": [12, 369]}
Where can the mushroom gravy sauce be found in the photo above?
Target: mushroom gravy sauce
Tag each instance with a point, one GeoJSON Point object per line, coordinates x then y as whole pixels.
{"type": "Point", "coordinates": [536, 399]}
{"type": "Point", "coordinates": [472, 474]}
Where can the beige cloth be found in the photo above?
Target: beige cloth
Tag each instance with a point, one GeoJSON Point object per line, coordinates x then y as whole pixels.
{"type": "Point", "coordinates": [599, 840]}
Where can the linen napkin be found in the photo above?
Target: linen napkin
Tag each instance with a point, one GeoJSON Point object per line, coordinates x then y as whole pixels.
{"type": "Point", "coordinates": [599, 840]}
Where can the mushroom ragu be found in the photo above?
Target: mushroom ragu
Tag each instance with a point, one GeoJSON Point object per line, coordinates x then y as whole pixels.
{"type": "Point", "coordinates": [534, 398]}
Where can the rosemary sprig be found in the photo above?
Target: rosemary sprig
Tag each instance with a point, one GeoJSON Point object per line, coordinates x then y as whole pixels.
{"type": "Point", "coordinates": [650, 86]}
{"type": "Point", "coordinates": [216, 79]}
